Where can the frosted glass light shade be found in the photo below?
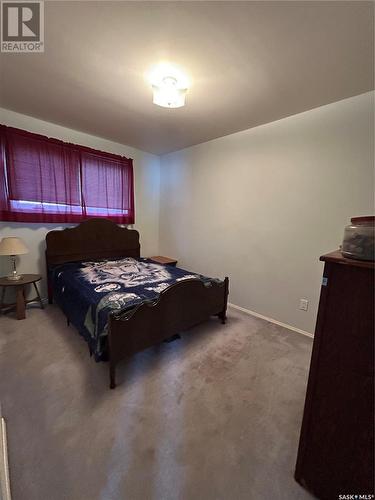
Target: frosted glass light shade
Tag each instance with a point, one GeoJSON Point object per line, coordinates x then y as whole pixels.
{"type": "Point", "coordinates": [12, 246]}
{"type": "Point", "coordinates": [168, 95]}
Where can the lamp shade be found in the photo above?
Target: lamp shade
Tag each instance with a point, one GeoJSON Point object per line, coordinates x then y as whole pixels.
{"type": "Point", "coordinates": [12, 246]}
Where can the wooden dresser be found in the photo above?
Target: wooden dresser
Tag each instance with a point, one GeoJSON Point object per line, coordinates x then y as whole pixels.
{"type": "Point", "coordinates": [335, 455]}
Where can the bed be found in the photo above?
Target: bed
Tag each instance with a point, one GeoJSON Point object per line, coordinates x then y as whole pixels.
{"type": "Point", "coordinates": [119, 302]}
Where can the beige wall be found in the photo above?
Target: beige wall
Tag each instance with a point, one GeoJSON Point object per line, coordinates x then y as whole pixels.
{"type": "Point", "coordinates": [262, 205]}
{"type": "Point", "coordinates": [147, 186]}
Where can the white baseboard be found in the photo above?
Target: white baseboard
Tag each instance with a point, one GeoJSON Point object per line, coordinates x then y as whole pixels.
{"type": "Point", "coordinates": [271, 320]}
{"type": "Point", "coordinates": [36, 303]}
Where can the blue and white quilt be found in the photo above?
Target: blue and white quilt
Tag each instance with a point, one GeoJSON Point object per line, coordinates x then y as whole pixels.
{"type": "Point", "coordinates": [88, 291]}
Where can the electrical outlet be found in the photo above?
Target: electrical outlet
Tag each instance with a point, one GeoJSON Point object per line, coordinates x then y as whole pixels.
{"type": "Point", "coordinates": [303, 304]}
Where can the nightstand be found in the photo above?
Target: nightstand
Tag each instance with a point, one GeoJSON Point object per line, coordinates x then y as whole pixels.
{"type": "Point", "coordinates": [21, 301]}
{"type": "Point", "coordinates": [165, 261]}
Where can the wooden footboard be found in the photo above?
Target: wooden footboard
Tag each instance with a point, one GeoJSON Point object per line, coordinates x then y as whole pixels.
{"type": "Point", "coordinates": [178, 308]}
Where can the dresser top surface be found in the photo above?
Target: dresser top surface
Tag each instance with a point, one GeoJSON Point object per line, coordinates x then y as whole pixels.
{"type": "Point", "coordinates": [338, 258]}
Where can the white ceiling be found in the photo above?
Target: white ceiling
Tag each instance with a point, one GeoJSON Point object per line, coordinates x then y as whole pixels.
{"type": "Point", "coordinates": [250, 63]}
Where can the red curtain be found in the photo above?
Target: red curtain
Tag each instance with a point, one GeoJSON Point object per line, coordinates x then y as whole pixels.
{"type": "Point", "coordinates": [47, 180]}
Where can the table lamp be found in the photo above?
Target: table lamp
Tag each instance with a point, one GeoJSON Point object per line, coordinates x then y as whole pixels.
{"type": "Point", "coordinates": [13, 246]}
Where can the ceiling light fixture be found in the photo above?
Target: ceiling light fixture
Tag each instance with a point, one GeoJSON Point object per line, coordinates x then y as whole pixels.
{"type": "Point", "coordinates": [168, 95]}
{"type": "Point", "coordinates": [169, 86]}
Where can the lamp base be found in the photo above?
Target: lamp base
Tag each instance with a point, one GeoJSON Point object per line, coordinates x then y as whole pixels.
{"type": "Point", "coordinates": [14, 277]}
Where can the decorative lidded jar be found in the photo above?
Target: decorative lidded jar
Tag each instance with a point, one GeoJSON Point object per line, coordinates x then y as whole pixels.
{"type": "Point", "coordinates": [359, 239]}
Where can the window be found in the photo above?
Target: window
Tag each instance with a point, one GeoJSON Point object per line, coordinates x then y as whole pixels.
{"type": "Point", "coordinates": [47, 180]}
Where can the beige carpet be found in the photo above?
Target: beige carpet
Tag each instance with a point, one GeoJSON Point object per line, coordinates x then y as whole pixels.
{"type": "Point", "coordinates": [215, 415]}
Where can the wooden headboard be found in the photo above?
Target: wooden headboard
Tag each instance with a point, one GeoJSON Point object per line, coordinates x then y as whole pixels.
{"type": "Point", "coordinates": [92, 239]}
